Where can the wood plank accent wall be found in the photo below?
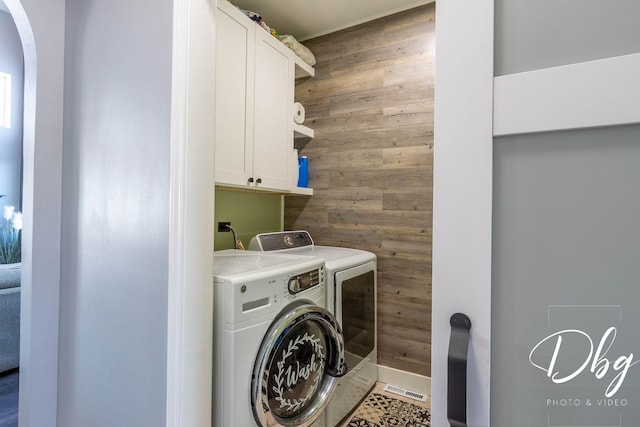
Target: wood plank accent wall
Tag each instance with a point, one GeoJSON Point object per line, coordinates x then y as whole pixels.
{"type": "Point", "coordinates": [371, 167]}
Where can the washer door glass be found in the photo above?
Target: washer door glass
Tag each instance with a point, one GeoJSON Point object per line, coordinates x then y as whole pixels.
{"type": "Point", "coordinates": [297, 365]}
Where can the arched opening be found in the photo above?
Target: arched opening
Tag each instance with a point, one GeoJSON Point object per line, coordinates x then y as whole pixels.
{"type": "Point", "coordinates": [11, 136]}
{"type": "Point", "coordinates": [41, 199]}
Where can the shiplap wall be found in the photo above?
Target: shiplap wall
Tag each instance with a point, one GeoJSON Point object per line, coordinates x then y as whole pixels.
{"type": "Point", "coordinates": [371, 164]}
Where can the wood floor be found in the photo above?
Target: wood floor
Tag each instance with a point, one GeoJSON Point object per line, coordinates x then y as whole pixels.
{"type": "Point", "coordinates": [9, 398]}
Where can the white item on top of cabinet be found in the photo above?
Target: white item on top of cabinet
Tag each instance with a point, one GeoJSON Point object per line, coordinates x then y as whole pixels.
{"type": "Point", "coordinates": [254, 104]}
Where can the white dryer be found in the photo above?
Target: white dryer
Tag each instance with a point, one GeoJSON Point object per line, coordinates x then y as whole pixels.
{"type": "Point", "coordinates": [351, 297]}
{"type": "Point", "coordinates": [277, 349]}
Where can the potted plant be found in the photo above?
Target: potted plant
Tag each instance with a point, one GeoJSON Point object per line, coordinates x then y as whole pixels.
{"type": "Point", "coordinates": [10, 236]}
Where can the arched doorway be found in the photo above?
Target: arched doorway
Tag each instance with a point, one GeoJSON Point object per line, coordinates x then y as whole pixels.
{"type": "Point", "coordinates": [11, 124]}
{"type": "Point", "coordinates": [41, 29]}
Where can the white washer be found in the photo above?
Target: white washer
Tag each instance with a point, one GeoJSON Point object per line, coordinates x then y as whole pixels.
{"type": "Point", "coordinates": [277, 349]}
{"type": "Point", "coordinates": [351, 297]}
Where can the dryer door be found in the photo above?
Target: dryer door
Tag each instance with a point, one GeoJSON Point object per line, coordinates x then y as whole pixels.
{"type": "Point", "coordinates": [295, 372]}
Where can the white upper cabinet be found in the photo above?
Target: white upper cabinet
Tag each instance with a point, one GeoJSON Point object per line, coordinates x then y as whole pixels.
{"type": "Point", "coordinates": [234, 80]}
{"type": "Point", "coordinates": [273, 112]}
{"type": "Point", "coordinates": [254, 105]}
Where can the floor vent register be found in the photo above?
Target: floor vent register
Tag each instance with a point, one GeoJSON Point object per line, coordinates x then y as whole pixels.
{"type": "Point", "coordinates": [406, 393]}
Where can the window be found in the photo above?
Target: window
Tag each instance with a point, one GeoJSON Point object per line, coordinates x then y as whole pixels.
{"type": "Point", "coordinates": [5, 100]}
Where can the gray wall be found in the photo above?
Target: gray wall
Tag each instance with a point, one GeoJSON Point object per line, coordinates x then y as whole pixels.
{"type": "Point", "coordinates": [547, 33]}
{"type": "Point", "coordinates": [113, 303]}
{"type": "Point", "coordinates": [11, 139]}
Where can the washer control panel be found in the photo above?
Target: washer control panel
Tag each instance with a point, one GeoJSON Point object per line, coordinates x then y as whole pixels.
{"type": "Point", "coordinates": [301, 282]}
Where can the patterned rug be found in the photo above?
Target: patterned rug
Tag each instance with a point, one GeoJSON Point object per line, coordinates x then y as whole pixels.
{"type": "Point", "coordinates": [384, 411]}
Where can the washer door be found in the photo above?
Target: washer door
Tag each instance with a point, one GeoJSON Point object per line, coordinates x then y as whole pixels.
{"type": "Point", "coordinates": [295, 372]}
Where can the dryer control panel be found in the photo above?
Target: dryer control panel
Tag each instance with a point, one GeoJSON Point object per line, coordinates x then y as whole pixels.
{"type": "Point", "coordinates": [301, 282]}
{"type": "Point", "coordinates": [280, 240]}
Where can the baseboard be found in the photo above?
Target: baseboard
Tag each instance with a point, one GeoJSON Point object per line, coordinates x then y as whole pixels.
{"type": "Point", "coordinates": [404, 379]}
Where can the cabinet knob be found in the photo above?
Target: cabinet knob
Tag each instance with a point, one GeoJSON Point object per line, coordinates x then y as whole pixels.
{"type": "Point", "coordinates": [250, 179]}
{"type": "Point", "coordinates": [259, 180]}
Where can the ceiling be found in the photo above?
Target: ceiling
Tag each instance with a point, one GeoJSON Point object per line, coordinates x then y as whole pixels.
{"type": "Point", "coordinates": [305, 19]}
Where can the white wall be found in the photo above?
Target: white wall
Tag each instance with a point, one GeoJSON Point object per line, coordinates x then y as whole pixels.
{"type": "Point", "coordinates": [41, 27]}
{"type": "Point", "coordinates": [112, 306]}
{"type": "Point", "coordinates": [11, 139]}
{"type": "Point", "coordinates": [115, 226]}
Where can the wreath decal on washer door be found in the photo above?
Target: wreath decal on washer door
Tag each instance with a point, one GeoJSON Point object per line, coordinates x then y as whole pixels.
{"type": "Point", "coordinates": [292, 372]}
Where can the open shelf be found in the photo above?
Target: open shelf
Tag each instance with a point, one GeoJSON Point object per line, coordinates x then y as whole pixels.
{"type": "Point", "coordinates": [301, 131]}
{"type": "Point", "coordinates": [303, 69]}
{"type": "Point", "coordinates": [297, 191]}
{"type": "Point", "coordinates": [301, 191]}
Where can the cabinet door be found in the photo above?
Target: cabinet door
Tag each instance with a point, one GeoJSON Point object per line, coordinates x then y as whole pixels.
{"type": "Point", "coordinates": [234, 88]}
{"type": "Point", "coordinates": [273, 112]}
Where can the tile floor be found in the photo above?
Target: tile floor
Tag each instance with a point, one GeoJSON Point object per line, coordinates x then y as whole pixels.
{"type": "Point", "coordinates": [369, 415]}
{"type": "Point", "coordinates": [365, 415]}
